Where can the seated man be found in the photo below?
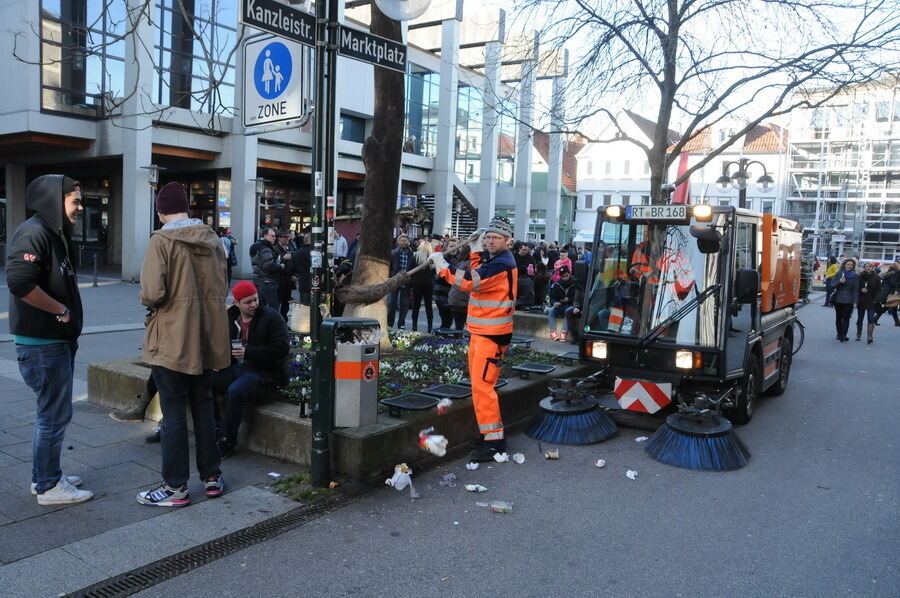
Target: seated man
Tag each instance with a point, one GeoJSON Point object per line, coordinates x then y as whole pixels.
{"type": "Point", "coordinates": [259, 346]}
{"type": "Point", "coordinates": [566, 296]}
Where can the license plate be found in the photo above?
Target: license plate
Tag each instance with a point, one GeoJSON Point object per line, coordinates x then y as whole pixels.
{"type": "Point", "coordinates": [673, 212]}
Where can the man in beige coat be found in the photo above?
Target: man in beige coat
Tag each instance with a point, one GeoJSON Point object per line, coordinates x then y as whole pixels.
{"type": "Point", "coordinates": [183, 287]}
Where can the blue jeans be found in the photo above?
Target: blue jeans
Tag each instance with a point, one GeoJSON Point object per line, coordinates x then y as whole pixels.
{"type": "Point", "coordinates": [240, 386]}
{"type": "Point", "coordinates": [563, 310]}
{"type": "Point", "coordinates": [177, 392]}
{"type": "Point", "coordinates": [48, 371]}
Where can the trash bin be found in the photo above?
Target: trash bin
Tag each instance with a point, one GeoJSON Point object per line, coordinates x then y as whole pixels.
{"type": "Point", "coordinates": [355, 385]}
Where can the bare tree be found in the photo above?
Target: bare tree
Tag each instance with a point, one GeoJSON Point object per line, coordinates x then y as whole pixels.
{"type": "Point", "coordinates": [382, 156]}
{"type": "Point", "coordinates": [702, 61]}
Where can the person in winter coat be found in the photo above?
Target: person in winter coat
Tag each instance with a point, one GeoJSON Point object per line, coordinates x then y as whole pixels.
{"type": "Point", "coordinates": [422, 287]}
{"type": "Point", "coordinates": [869, 288]}
{"type": "Point", "coordinates": [45, 318]}
{"type": "Point", "coordinates": [301, 266]}
{"type": "Point", "coordinates": [845, 294]}
{"type": "Point", "coordinates": [562, 261]}
{"type": "Point", "coordinates": [185, 339]}
{"type": "Point", "coordinates": [890, 284]}
{"type": "Point", "coordinates": [441, 288]}
{"type": "Point", "coordinates": [267, 268]}
{"type": "Point", "coordinates": [259, 348]}
{"type": "Point", "coordinates": [525, 268]}
{"type": "Point", "coordinates": [457, 298]}
{"type": "Point", "coordinates": [542, 266]}
{"type": "Point", "coordinates": [402, 259]}
{"type": "Point", "coordinates": [566, 297]}
{"type": "Point", "coordinates": [830, 270]}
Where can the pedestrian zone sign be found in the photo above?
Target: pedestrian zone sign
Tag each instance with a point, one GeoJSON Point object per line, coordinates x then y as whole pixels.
{"type": "Point", "coordinates": [273, 81]}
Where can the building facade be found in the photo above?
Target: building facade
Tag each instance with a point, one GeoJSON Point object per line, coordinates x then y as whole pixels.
{"type": "Point", "coordinates": [106, 90]}
{"type": "Point", "coordinates": [845, 173]}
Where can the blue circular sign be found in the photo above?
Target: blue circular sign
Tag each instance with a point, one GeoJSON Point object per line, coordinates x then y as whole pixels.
{"type": "Point", "coordinates": [272, 71]}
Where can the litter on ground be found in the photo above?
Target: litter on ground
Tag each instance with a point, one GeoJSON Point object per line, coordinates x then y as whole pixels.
{"type": "Point", "coordinates": [436, 444]}
{"type": "Point", "coordinates": [448, 478]}
{"type": "Point", "coordinates": [600, 463]}
{"type": "Point", "coordinates": [475, 488]}
{"type": "Point", "coordinates": [640, 439]}
{"type": "Point", "coordinates": [552, 454]}
{"type": "Point", "coordinates": [501, 457]}
{"type": "Point", "coordinates": [497, 506]}
{"type": "Point", "coordinates": [472, 466]}
{"type": "Point", "coordinates": [274, 475]}
{"type": "Point", "coordinates": [519, 458]}
{"type": "Point", "coordinates": [631, 474]}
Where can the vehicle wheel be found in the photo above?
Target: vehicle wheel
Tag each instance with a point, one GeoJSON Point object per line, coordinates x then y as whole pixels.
{"type": "Point", "coordinates": [784, 368]}
{"type": "Point", "coordinates": [748, 394]}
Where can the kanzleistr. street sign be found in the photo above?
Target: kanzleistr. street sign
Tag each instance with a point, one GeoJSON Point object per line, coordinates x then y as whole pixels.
{"type": "Point", "coordinates": [279, 19]}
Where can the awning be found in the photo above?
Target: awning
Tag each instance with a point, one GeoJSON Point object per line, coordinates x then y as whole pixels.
{"type": "Point", "coordinates": [584, 237]}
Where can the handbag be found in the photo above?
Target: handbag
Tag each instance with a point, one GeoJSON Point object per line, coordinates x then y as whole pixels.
{"type": "Point", "coordinates": [893, 300]}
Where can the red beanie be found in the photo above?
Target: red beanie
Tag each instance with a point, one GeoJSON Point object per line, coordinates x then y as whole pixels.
{"type": "Point", "coordinates": [243, 289]}
{"type": "Point", "coordinates": [172, 199]}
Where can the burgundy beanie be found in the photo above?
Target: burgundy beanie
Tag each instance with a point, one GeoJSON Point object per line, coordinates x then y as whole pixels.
{"type": "Point", "coordinates": [243, 289]}
{"type": "Point", "coordinates": [172, 199]}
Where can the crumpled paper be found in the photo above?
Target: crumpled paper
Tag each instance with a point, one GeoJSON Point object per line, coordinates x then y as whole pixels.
{"type": "Point", "coordinates": [631, 474]}
{"type": "Point", "coordinates": [475, 488]}
{"type": "Point", "coordinates": [443, 405]}
{"type": "Point", "coordinates": [436, 444]}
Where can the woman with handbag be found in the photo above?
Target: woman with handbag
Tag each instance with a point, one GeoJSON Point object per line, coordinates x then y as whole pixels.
{"type": "Point", "coordinates": [846, 291]}
{"type": "Point", "coordinates": [869, 288]}
{"type": "Point", "coordinates": [889, 297]}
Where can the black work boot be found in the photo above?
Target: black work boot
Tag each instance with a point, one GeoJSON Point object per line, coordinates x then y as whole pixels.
{"type": "Point", "coordinates": [487, 450]}
{"type": "Point", "coordinates": [134, 413]}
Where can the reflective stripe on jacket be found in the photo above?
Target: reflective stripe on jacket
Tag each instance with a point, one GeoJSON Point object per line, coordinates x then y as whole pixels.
{"type": "Point", "coordinates": [492, 283]}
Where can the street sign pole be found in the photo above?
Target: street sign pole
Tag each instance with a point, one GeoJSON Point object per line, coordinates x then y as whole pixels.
{"type": "Point", "coordinates": [323, 187]}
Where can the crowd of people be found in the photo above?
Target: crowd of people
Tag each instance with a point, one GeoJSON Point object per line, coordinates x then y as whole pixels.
{"type": "Point", "coordinates": [873, 290]}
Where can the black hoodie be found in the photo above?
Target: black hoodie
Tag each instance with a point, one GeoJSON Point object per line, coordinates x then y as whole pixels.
{"type": "Point", "coordinates": [40, 255]}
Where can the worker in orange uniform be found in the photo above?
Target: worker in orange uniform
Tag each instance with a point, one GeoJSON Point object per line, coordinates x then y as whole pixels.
{"type": "Point", "coordinates": [492, 283]}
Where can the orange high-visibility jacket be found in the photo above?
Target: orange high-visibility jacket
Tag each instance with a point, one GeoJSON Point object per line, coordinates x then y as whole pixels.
{"type": "Point", "coordinates": [491, 282]}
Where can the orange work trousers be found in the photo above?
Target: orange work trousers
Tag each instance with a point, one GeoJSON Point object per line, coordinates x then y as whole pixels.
{"type": "Point", "coordinates": [484, 370]}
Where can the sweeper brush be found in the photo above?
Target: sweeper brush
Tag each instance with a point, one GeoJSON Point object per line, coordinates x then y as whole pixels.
{"type": "Point", "coordinates": [570, 416]}
{"type": "Point", "coordinates": [700, 439]}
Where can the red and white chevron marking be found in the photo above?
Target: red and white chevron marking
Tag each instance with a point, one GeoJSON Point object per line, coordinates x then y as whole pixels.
{"type": "Point", "coordinates": [646, 397]}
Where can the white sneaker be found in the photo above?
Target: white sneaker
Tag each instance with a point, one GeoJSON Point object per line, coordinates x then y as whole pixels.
{"type": "Point", "coordinates": [72, 479]}
{"type": "Point", "coordinates": [64, 493]}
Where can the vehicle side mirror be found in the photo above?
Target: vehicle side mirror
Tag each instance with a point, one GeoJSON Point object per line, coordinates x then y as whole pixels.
{"type": "Point", "coordinates": [709, 240]}
{"type": "Point", "coordinates": [746, 286]}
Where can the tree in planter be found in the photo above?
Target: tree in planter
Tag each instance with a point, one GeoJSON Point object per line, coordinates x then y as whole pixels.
{"type": "Point", "coordinates": [382, 154]}
{"type": "Point", "coordinates": [704, 61]}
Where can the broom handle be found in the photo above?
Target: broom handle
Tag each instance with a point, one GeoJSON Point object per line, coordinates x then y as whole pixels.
{"type": "Point", "coordinates": [421, 267]}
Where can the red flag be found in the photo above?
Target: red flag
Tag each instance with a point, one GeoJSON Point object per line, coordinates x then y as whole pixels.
{"type": "Point", "coordinates": [680, 195]}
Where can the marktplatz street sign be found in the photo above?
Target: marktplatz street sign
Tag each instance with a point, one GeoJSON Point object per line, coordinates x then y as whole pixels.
{"type": "Point", "coordinates": [279, 19]}
{"type": "Point", "coordinates": [373, 49]}
{"type": "Point", "coordinates": [275, 70]}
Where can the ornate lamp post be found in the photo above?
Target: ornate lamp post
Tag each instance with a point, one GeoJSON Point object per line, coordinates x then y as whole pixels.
{"type": "Point", "coordinates": [259, 186]}
{"type": "Point", "coordinates": [153, 178]}
{"type": "Point", "coordinates": [741, 177]}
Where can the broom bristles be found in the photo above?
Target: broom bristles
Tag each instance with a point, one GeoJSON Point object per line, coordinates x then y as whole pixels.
{"type": "Point", "coordinates": [724, 452]}
{"type": "Point", "coordinates": [565, 428]}
{"type": "Point", "coordinates": [367, 294]}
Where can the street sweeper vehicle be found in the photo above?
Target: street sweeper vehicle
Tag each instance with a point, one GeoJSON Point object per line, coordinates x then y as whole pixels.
{"type": "Point", "coordinates": [689, 317]}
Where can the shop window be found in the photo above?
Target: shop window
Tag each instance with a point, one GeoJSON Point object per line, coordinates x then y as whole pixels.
{"type": "Point", "coordinates": [588, 202]}
{"type": "Point", "coordinates": [353, 128]}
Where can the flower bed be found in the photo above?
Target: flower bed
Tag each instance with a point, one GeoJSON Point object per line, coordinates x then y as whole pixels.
{"type": "Point", "coordinates": [417, 361]}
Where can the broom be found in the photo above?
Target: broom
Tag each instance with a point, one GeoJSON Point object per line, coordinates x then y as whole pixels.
{"type": "Point", "coordinates": [367, 294]}
{"type": "Point", "coordinates": [698, 437]}
{"type": "Point", "coordinates": [569, 416]}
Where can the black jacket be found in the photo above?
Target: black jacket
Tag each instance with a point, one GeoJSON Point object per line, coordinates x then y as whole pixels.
{"type": "Point", "coordinates": [395, 259]}
{"type": "Point", "coordinates": [567, 292]}
{"type": "Point", "coordinates": [872, 284]}
{"type": "Point", "coordinates": [266, 265]}
{"type": "Point", "coordinates": [40, 255]}
{"type": "Point", "coordinates": [301, 265]}
{"type": "Point", "coordinates": [267, 343]}
{"type": "Point", "coordinates": [522, 263]}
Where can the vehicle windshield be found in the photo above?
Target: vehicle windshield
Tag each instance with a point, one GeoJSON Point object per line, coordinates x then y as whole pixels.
{"type": "Point", "coordinates": [643, 273]}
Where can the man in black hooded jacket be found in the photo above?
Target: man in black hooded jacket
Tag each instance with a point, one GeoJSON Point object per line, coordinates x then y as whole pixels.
{"type": "Point", "coordinates": [45, 319]}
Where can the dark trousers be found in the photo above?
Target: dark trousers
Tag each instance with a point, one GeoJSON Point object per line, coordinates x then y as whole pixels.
{"type": "Point", "coordinates": [285, 293]}
{"type": "Point", "coordinates": [268, 294]}
{"type": "Point", "coordinates": [239, 386]}
{"type": "Point", "coordinates": [177, 393]}
{"type": "Point", "coordinates": [445, 313]}
{"type": "Point", "coordinates": [459, 318]}
{"type": "Point", "coordinates": [398, 301]}
{"type": "Point", "coordinates": [890, 310]}
{"type": "Point", "coordinates": [48, 371]}
{"type": "Point", "coordinates": [422, 294]}
{"type": "Point", "coordinates": [842, 313]}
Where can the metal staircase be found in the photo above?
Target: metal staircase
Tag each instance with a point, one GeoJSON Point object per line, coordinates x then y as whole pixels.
{"type": "Point", "coordinates": [464, 220]}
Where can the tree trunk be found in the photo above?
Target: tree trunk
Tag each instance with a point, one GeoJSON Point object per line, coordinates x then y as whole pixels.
{"type": "Point", "coordinates": [382, 158]}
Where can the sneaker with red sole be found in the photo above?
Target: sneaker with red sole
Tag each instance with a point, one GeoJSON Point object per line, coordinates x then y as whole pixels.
{"type": "Point", "coordinates": [165, 496]}
{"type": "Point", "coordinates": [215, 486]}
{"type": "Point", "coordinates": [554, 335]}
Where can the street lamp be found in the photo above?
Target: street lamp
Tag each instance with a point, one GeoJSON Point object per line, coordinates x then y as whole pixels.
{"type": "Point", "coordinates": [741, 177]}
{"type": "Point", "coordinates": [260, 189]}
{"type": "Point", "coordinates": [153, 178]}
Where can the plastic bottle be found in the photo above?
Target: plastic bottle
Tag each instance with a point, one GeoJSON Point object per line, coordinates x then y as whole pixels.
{"type": "Point", "coordinates": [497, 506]}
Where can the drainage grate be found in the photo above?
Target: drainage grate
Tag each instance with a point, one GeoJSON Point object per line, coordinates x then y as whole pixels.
{"type": "Point", "coordinates": [147, 576]}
